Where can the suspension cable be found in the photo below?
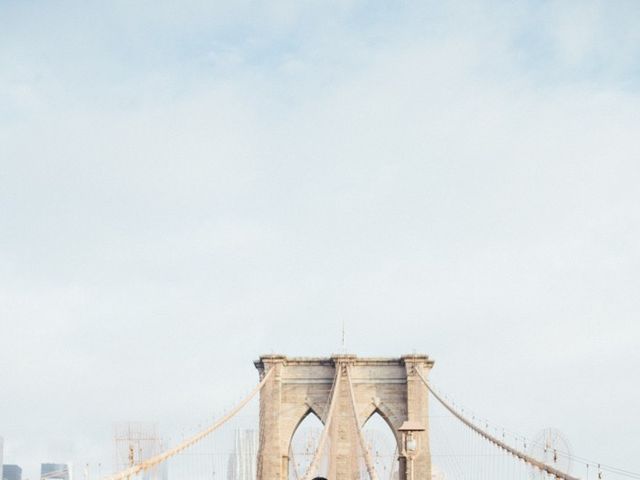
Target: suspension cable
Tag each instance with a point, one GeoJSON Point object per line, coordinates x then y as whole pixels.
{"type": "Point", "coordinates": [522, 456]}
{"type": "Point", "coordinates": [293, 460]}
{"type": "Point", "coordinates": [56, 474]}
{"type": "Point", "coordinates": [164, 456]}
{"type": "Point", "coordinates": [327, 424]}
{"type": "Point", "coordinates": [572, 457]}
{"type": "Point", "coordinates": [363, 443]}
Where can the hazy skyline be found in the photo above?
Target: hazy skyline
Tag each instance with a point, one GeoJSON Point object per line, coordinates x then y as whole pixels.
{"type": "Point", "coordinates": [187, 185]}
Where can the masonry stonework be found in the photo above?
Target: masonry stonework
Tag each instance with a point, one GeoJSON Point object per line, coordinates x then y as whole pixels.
{"type": "Point", "coordinates": [388, 386]}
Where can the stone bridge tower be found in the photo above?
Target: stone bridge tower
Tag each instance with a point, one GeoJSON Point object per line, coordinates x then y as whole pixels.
{"type": "Point", "coordinates": [388, 386]}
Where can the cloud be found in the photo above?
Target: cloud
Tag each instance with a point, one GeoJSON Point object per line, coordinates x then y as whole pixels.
{"type": "Point", "coordinates": [186, 188]}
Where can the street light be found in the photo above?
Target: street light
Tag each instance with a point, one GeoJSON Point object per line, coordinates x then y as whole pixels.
{"type": "Point", "coordinates": [409, 442]}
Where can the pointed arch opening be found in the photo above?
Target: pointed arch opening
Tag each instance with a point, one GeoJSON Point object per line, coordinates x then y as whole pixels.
{"type": "Point", "coordinates": [383, 446]}
{"type": "Point", "coordinates": [303, 444]}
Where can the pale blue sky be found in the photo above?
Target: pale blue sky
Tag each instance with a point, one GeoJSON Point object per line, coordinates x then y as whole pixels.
{"type": "Point", "coordinates": [183, 183]}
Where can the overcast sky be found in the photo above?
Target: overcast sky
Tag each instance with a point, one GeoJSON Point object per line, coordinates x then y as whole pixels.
{"type": "Point", "coordinates": [186, 185]}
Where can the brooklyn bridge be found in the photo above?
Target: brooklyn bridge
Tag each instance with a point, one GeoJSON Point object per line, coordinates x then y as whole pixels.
{"type": "Point", "coordinates": [431, 437]}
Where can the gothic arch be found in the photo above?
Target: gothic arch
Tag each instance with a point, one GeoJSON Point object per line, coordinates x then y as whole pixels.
{"type": "Point", "coordinates": [302, 419]}
{"type": "Point", "coordinates": [383, 443]}
{"type": "Point", "coordinates": [307, 418]}
{"type": "Point", "coordinates": [389, 418]}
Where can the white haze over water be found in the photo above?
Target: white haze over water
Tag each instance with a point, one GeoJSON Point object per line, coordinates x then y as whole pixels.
{"type": "Point", "coordinates": [187, 185]}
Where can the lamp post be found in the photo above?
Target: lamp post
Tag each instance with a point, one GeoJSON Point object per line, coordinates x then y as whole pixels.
{"type": "Point", "coordinates": [410, 444]}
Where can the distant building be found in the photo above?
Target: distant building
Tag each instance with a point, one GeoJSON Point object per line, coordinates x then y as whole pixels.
{"type": "Point", "coordinates": [1, 453]}
{"type": "Point", "coordinates": [54, 471]}
{"type": "Point", "coordinates": [242, 462]}
{"type": "Point", "coordinates": [136, 442]}
{"type": "Point", "coordinates": [11, 472]}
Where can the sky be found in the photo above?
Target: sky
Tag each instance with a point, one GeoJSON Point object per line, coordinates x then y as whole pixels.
{"type": "Point", "coordinates": [187, 185]}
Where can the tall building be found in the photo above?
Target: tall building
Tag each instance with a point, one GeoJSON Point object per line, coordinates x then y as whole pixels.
{"type": "Point", "coordinates": [135, 442]}
{"type": "Point", "coordinates": [242, 462]}
{"type": "Point", "coordinates": [1, 453]}
{"type": "Point", "coordinates": [11, 472]}
{"type": "Point", "coordinates": [54, 471]}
